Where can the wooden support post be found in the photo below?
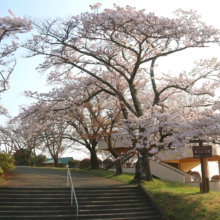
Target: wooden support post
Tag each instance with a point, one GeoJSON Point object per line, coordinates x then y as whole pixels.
{"type": "Point", "coordinates": [202, 160]}
{"type": "Point", "coordinates": [203, 173]}
{"type": "Point", "coordinates": [203, 152]}
{"type": "Point", "coordinates": [207, 184]}
{"type": "Point", "coordinates": [201, 188]}
{"type": "Point", "coordinates": [219, 168]}
{"type": "Point", "coordinates": [206, 161]}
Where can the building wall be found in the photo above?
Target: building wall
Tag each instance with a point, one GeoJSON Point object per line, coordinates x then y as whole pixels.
{"type": "Point", "coordinates": [214, 185]}
{"type": "Point", "coordinates": [164, 171]}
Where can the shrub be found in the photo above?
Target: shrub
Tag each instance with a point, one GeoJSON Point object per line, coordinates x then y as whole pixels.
{"type": "Point", "coordinates": [20, 156]}
{"type": "Point", "coordinates": [1, 171]}
{"type": "Point", "coordinates": [107, 162]}
{"type": "Point", "coordinates": [73, 163]}
{"type": "Point", "coordinates": [100, 162]}
{"type": "Point", "coordinates": [40, 159]}
{"type": "Point", "coordinates": [6, 162]}
{"type": "Point", "coordinates": [86, 163]}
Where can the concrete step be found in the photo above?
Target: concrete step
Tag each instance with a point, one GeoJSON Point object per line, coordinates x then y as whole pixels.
{"type": "Point", "coordinates": [109, 198]}
{"type": "Point", "coordinates": [83, 213]}
{"type": "Point", "coordinates": [66, 203]}
{"type": "Point", "coordinates": [34, 208]}
{"type": "Point", "coordinates": [106, 188]}
{"type": "Point", "coordinates": [135, 215]}
{"type": "Point", "coordinates": [67, 195]}
{"type": "Point", "coordinates": [110, 202]}
{"type": "Point", "coordinates": [65, 207]}
{"type": "Point", "coordinates": [71, 217]}
{"type": "Point", "coordinates": [15, 196]}
{"type": "Point", "coordinates": [149, 217]}
{"type": "Point", "coordinates": [113, 206]}
{"type": "Point", "coordinates": [82, 201]}
{"type": "Point", "coordinates": [61, 199]}
{"type": "Point", "coordinates": [34, 189]}
{"type": "Point", "coordinates": [115, 210]}
{"type": "Point", "coordinates": [39, 217]}
{"type": "Point", "coordinates": [67, 210]}
{"type": "Point", "coordinates": [6, 192]}
{"type": "Point", "coordinates": [123, 203]}
{"type": "Point", "coordinates": [38, 212]}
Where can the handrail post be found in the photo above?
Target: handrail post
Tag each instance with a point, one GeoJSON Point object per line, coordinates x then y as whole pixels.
{"type": "Point", "coordinates": [71, 196]}
{"type": "Point", "coordinates": [69, 178]}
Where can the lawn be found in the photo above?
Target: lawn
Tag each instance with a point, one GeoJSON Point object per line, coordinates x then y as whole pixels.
{"type": "Point", "coordinates": [178, 201]}
{"type": "Point", "coordinates": [181, 201]}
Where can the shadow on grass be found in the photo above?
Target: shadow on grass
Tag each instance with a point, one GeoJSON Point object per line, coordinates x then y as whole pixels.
{"type": "Point", "coordinates": [180, 207]}
{"type": "Point", "coordinates": [184, 202]}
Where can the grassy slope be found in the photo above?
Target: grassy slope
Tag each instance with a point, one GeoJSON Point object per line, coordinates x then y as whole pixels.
{"type": "Point", "coordinates": [182, 201]}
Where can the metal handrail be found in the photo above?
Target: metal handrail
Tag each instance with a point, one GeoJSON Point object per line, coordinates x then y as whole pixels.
{"type": "Point", "coordinates": [69, 178]}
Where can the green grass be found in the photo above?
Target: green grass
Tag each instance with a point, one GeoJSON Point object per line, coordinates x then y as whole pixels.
{"type": "Point", "coordinates": [182, 201]}
{"type": "Point", "coordinates": [178, 201]}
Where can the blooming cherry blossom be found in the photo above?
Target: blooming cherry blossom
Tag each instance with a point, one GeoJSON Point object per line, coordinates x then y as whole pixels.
{"type": "Point", "coordinates": [10, 26]}
{"type": "Point", "coordinates": [119, 49]}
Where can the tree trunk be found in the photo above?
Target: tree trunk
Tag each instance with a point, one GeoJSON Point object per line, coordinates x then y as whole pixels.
{"type": "Point", "coordinates": [36, 158]}
{"type": "Point", "coordinates": [55, 160]}
{"type": "Point", "coordinates": [25, 157]}
{"type": "Point", "coordinates": [119, 170]}
{"type": "Point", "coordinates": [143, 167]}
{"type": "Point", "coordinates": [119, 167]}
{"type": "Point", "coordinates": [29, 161]}
{"type": "Point", "coordinates": [29, 158]}
{"type": "Point", "coordinates": [94, 159]}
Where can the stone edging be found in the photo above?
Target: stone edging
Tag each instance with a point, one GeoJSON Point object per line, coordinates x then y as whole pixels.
{"type": "Point", "coordinates": [146, 193]}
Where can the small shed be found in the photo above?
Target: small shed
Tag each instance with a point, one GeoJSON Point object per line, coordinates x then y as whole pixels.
{"type": "Point", "coordinates": [62, 162]}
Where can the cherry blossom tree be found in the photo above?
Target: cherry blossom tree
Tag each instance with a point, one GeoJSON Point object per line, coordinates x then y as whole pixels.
{"type": "Point", "coordinates": [109, 120]}
{"type": "Point", "coordinates": [120, 49]}
{"type": "Point", "coordinates": [49, 128]}
{"type": "Point", "coordinates": [89, 113]}
{"type": "Point", "coordinates": [181, 115]}
{"type": "Point", "coordinates": [19, 137]}
{"type": "Point", "coordinates": [10, 26]}
{"type": "Point", "coordinates": [52, 137]}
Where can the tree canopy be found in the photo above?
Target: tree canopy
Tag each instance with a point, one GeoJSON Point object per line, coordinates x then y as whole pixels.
{"type": "Point", "coordinates": [113, 54]}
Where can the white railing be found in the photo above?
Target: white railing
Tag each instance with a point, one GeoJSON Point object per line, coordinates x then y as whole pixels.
{"type": "Point", "coordinates": [69, 179]}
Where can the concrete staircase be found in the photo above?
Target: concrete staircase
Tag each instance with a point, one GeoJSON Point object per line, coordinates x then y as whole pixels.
{"type": "Point", "coordinates": [123, 203]}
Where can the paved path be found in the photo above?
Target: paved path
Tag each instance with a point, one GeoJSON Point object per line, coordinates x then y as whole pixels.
{"type": "Point", "coordinates": [42, 177]}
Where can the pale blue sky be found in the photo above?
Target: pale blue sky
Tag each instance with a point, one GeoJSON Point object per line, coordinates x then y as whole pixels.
{"type": "Point", "coordinates": [25, 77]}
